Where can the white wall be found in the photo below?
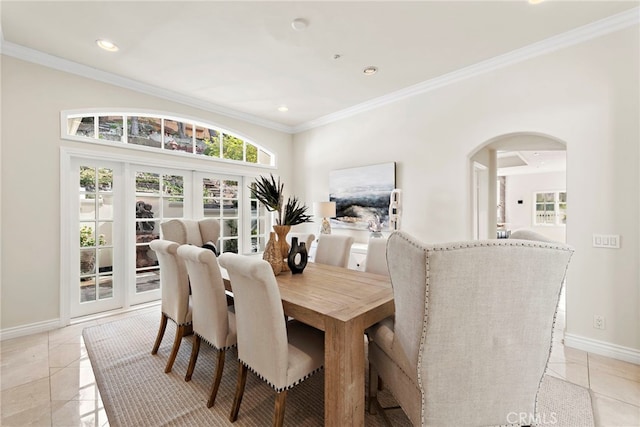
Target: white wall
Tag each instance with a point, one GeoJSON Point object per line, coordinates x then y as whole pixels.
{"type": "Point", "coordinates": [523, 187]}
{"type": "Point", "coordinates": [32, 98]}
{"type": "Point", "coordinates": [585, 95]}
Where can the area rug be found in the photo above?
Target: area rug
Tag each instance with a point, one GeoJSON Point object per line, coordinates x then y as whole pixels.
{"type": "Point", "coordinates": [136, 391]}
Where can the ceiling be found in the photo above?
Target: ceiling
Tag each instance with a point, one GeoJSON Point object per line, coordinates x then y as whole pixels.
{"type": "Point", "coordinates": [530, 161]}
{"type": "Point", "coordinates": [245, 59]}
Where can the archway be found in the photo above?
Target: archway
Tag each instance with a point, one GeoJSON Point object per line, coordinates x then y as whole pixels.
{"type": "Point", "coordinates": [484, 164]}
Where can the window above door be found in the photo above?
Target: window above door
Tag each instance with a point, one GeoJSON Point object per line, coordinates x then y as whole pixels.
{"type": "Point", "coordinates": [157, 131]}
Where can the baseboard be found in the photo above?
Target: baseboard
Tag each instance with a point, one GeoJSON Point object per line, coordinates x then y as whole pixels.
{"type": "Point", "coordinates": [33, 328]}
{"type": "Point", "coordinates": [602, 348]}
{"type": "Point", "coordinates": [48, 325]}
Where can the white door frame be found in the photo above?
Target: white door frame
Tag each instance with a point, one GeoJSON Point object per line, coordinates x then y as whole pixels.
{"type": "Point", "coordinates": [70, 256]}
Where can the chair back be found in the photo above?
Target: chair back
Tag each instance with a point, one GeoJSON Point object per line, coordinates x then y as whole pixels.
{"type": "Point", "coordinates": [191, 231]}
{"type": "Point", "coordinates": [174, 281]}
{"type": "Point", "coordinates": [306, 238]}
{"type": "Point", "coordinates": [209, 300]}
{"type": "Point", "coordinates": [260, 321]}
{"type": "Point", "coordinates": [524, 234]}
{"type": "Point", "coordinates": [376, 259]}
{"type": "Point", "coordinates": [209, 230]}
{"type": "Point", "coordinates": [476, 319]}
{"type": "Point", "coordinates": [333, 249]}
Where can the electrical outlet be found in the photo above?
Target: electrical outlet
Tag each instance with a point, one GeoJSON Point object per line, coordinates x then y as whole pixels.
{"type": "Point", "coordinates": [598, 321]}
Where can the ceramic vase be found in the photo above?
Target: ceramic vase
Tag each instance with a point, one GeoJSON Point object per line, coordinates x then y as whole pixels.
{"type": "Point", "coordinates": [297, 259]}
{"type": "Point", "coordinates": [281, 232]}
{"type": "Point", "coordinates": [272, 254]}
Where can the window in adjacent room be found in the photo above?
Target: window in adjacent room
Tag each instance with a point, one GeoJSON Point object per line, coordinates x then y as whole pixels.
{"type": "Point", "coordinates": [550, 208]}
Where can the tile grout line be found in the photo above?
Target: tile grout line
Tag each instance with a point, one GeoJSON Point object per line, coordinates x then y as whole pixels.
{"type": "Point", "coordinates": [589, 372]}
{"type": "Point", "coordinates": [49, 378]}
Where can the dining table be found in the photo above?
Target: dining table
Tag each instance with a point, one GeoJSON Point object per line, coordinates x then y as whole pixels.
{"type": "Point", "coordinates": [343, 303]}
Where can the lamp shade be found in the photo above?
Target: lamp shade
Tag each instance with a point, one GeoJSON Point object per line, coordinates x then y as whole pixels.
{"type": "Point", "coordinates": [324, 209]}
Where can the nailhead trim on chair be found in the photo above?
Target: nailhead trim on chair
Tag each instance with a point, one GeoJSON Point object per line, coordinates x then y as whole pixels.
{"type": "Point", "coordinates": [280, 389]}
{"type": "Point", "coordinates": [463, 245]}
{"type": "Point", "coordinates": [553, 325]}
{"type": "Point", "coordinates": [209, 342]}
{"type": "Point", "coordinates": [174, 320]}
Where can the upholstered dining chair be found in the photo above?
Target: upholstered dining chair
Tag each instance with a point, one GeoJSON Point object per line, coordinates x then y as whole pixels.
{"type": "Point", "coordinates": [525, 234]}
{"type": "Point", "coordinates": [175, 300]}
{"type": "Point", "coordinates": [471, 336]}
{"type": "Point", "coordinates": [333, 249]}
{"type": "Point", "coordinates": [213, 321]}
{"type": "Point", "coordinates": [191, 231]}
{"type": "Point", "coordinates": [376, 258]}
{"type": "Point", "coordinates": [281, 353]}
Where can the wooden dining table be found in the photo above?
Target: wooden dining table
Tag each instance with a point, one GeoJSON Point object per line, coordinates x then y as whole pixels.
{"type": "Point", "coordinates": [342, 303]}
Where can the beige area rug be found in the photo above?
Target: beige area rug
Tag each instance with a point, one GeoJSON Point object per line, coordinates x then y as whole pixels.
{"type": "Point", "coordinates": [136, 391]}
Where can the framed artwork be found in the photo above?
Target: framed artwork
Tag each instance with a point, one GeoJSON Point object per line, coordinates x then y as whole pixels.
{"type": "Point", "coordinates": [362, 193]}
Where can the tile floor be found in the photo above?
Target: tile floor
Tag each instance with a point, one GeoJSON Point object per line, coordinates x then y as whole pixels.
{"type": "Point", "coordinates": [46, 380]}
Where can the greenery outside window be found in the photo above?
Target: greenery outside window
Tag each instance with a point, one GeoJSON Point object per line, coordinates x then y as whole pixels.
{"type": "Point", "coordinates": [166, 133]}
{"type": "Point", "coordinates": [550, 208]}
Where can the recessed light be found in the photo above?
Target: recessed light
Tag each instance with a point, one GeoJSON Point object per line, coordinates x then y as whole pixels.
{"type": "Point", "coordinates": [535, 1]}
{"type": "Point", "coordinates": [299, 24]}
{"type": "Point", "coordinates": [370, 70]}
{"type": "Point", "coordinates": [283, 108]}
{"type": "Point", "coordinates": [107, 45]}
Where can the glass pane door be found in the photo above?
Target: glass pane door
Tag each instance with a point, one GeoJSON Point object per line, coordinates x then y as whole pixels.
{"type": "Point", "coordinates": [97, 288]}
{"type": "Point", "coordinates": [221, 197]}
{"type": "Point", "coordinates": [159, 195]}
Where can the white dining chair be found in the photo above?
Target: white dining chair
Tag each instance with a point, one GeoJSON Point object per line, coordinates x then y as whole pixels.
{"type": "Point", "coordinates": [213, 321]}
{"type": "Point", "coordinates": [191, 231]}
{"type": "Point", "coordinates": [472, 331]}
{"type": "Point", "coordinates": [333, 249]}
{"type": "Point", "coordinates": [175, 299]}
{"type": "Point", "coordinates": [376, 259]}
{"type": "Point", "coordinates": [282, 353]}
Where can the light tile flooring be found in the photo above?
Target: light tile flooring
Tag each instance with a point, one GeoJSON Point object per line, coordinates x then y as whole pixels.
{"type": "Point", "coordinates": [46, 380]}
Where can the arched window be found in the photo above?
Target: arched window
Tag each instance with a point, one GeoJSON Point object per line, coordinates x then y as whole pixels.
{"type": "Point", "coordinates": [162, 132]}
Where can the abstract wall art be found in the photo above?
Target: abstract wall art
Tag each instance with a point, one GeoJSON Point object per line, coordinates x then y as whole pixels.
{"type": "Point", "coordinates": [361, 193]}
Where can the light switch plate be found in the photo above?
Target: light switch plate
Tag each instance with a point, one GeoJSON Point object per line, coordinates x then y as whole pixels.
{"type": "Point", "coordinates": [611, 241]}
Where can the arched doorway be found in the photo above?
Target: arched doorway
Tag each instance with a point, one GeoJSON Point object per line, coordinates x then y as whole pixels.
{"type": "Point", "coordinates": [520, 153]}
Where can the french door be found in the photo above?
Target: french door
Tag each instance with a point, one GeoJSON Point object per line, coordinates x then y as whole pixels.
{"type": "Point", "coordinates": [113, 209]}
{"type": "Point", "coordinates": [95, 259]}
{"type": "Point", "coordinates": [155, 195]}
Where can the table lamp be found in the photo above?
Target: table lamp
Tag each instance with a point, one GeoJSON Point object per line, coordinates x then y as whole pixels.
{"type": "Point", "coordinates": [325, 210]}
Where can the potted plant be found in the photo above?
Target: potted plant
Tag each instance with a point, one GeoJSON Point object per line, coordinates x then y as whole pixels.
{"type": "Point", "coordinates": [269, 192]}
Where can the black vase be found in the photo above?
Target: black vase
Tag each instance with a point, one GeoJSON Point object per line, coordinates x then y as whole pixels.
{"type": "Point", "coordinates": [297, 259]}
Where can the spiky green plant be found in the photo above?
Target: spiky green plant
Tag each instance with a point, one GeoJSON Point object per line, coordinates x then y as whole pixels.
{"type": "Point", "coordinates": [295, 213]}
{"type": "Point", "coordinates": [269, 192]}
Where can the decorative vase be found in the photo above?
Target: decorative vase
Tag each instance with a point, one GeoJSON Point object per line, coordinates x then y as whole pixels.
{"type": "Point", "coordinates": [272, 254]}
{"type": "Point", "coordinates": [281, 231]}
{"type": "Point", "coordinates": [297, 259]}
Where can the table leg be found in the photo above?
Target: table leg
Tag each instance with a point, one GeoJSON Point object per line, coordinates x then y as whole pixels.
{"type": "Point", "coordinates": [344, 373]}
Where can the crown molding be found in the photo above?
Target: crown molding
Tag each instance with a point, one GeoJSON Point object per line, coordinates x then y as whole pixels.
{"type": "Point", "coordinates": [57, 63]}
{"type": "Point", "coordinates": [579, 35]}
